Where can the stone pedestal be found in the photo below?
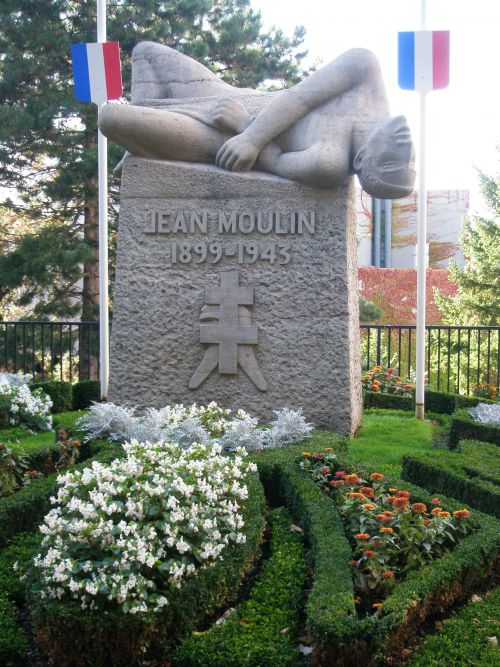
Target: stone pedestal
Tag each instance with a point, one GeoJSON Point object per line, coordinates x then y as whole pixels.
{"type": "Point", "coordinates": [238, 288]}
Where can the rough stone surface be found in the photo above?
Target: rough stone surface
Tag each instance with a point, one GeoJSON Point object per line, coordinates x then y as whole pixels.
{"type": "Point", "coordinates": [305, 311]}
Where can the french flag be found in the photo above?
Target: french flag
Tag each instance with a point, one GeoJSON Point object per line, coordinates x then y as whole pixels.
{"type": "Point", "coordinates": [97, 71]}
{"type": "Point", "coordinates": [424, 60]}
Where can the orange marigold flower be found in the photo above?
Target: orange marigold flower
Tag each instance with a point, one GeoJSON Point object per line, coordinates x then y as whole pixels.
{"type": "Point", "coordinates": [400, 503]}
{"type": "Point", "coordinates": [384, 518]}
{"type": "Point", "coordinates": [387, 513]}
{"type": "Point", "coordinates": [376, 476]}
{"type": "Point", "coordinates": [306, 453]}
{"type": "Point", "coordinates": [328, 449]}
{"type": "Point", "coordinates": [391, 370]}
{"type": "Point", "coordinates": [386, 529]}
{"type": "Point", "coordinates": [340, 473]}
{"type": "Point", "coordinates": [375, 387]}
{"type": "Point", "coordinates": [391, 499]}
{"type": "Point", "coordinates": [325, 471]}
{"type": "Point", "coordinates": [368, 506]}
{"type": "Point", "coordinates": [336, 483]}
{"type": "Point", "coordinates": [376, 605]}
{"type": "Point", "coordinates": [427, 522]}
{"type": "Point", "coordinates": [461, 514]}
{"type": "Point", "coordinates": [444, 515]}
{"type": "Point", "coordinates": [318, 456]}
{"type": "Point", "coordinates": [435, 501]}
{"type": "Point", "coordinates": [352, 479]}
{"type": "Point", "coordinates": [376, 382]}
{"type": "Point", "coordinates": [392, 490]}
{"type": "Point", "coordinates": [388, 574]}
{"type": "Point", "coordinates": [369, 553]}
{"type": "Point", "coordinates": [436, 510]}
{"type": "Point", "coordinates": [368, 491]}
{"type": "Point", "coordinates": [362, 536]}
{"type": "Point", "coordinates": [359, 496]}
{"type": "Point", "coordinates": [403, 494]}
{"type": "Point", "coordinates": [419, 507]}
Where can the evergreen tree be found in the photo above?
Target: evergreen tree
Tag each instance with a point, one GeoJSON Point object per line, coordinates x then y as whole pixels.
{"type": "Point", "coordinates": [476, 301]}
{"type": "Point", "coordinates": [48, 140]}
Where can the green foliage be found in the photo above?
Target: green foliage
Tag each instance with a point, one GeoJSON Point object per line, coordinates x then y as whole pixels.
{"type": "Point", "coordinates": [85, 393]}
{"type": "Point", "coordinates": [470, 474]}
{"type": "Point", "coordinates": [13, 639]}
{"type": "Point", "coordinates": [372, 399]}
{"type": "Point", "coordinates": [86, 638]}
{"type": "Point", "coordinates": [67, 421]}
{"type": "Point", "coordinates": [464, 639]}
{"type": "Point", "coordinates": [368, 311]}
{"type": "Point", "coordinates": [48, 140]}
{"type": "Point", "coordinates": [476, 301]}
{"type": "Point", "coordinates": [463, 427]}
{"type": "Point", "coordinates": [23, 510]}
{"type": "Point", "coordinates": [262, 630]}
{"type": "Point", "coordinates": [61, 394]}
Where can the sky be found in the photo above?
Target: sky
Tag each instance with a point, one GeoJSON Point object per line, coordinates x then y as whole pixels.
{"type": "Point", "coordinates": [463, 120]}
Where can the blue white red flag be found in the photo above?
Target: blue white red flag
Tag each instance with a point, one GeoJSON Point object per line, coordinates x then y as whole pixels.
{"type": "Point", "coordinates": [424, 60]}
{"type": "Point", "coordinates": [97, 71]}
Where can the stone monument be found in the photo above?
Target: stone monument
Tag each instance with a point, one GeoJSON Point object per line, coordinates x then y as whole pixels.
{"type": "Point", "coordinates": [236, 274]}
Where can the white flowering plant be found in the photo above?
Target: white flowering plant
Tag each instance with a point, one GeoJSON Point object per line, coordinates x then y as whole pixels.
{"type": "Point", "coordinates": [23, 407]}
{"type": "Point", "coordinates": [126, 532]}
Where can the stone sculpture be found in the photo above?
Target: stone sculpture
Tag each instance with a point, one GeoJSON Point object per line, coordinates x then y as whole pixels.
{"type": "Point", "coordinates": [330, 125]}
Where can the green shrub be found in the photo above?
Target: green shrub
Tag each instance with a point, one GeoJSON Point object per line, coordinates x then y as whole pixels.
{"type": "Point", "coordinates": [85, 393]}
{"type": "Point", "coordinates": [440, 402]}
{"type": "Point", "coordinates": [75, 637]}
{"type": "Point", "coordinates": [463, 427]}
{"type": "Point", "coordinates": [471, 474]}
{"type": "Point", "coordinates": [61, 394]}
{"type": "Point", "coordinates": [263, 630]}
{"type": "Point", "coordinates": [463, 639]}
{"type": "Point", "coordinates": [14, 642]}
{"type": "Point", "coordinates": [470, 401]}
{"type": "Point", "coordinates": [337, 632]}
{"type": "Point", "coordinates": [23, 510]}
{"type": "Point", "coordinates": [373, 399]}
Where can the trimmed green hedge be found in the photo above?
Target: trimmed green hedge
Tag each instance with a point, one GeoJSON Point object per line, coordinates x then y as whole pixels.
{"type": "Point", "coordinates": [463, 427]}
{"type": "Point", "coordinates": [61, 394]}
{"type": "Point", "coordinates": [470, 474]}
{"type": "Point", "coordinates": [22, 510]}
{"type": "Point", "coordinates": [339, 636]}
{"type": "Point", "coordinates": [463, 639]}
{"type": "Point", "coordinates": [85, 393]}
{"type": "Point", "coordinates": [262, 630]}
{"type": "Point", "coordinates": [332, 620]}
{"type": "Point", "coordinates": [76, 638]}
{"type": "Point", "coordinates": [374, 399]}
{"type": "Point", "coordinates": [14, 643]}
{"type": "Point", "coordinates": [435, 401]}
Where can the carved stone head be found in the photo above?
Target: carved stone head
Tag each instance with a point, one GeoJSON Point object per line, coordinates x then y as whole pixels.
{"type": "Point", "coordinates": [385, 164]}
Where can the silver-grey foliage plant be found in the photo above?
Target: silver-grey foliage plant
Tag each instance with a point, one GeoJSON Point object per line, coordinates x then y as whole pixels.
{"type": "Point", "coordinates": [486, 413]}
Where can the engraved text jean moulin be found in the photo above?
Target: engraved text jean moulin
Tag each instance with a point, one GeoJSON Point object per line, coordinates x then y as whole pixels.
{"type": "Point", "coordinates": [180, 224]}
{"type": "Point", "coordinates": [226, 321]}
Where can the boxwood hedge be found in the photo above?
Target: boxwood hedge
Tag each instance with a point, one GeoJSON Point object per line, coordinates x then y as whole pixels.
{"type": "Point", "coordinates": [466, 639]}
{"type": "Point", "coordinates": [339, 635]}
{"type": "Point", "coordinates": [263, 629]}
{"type": "Point", "coordinates": [439, 402]}
{"type": "Point", "coordinates": [470, 474]}
{"type": "Point", "coordinates": [464, 427]}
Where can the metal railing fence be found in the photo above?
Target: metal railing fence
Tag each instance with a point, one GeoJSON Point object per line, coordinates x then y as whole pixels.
{"type": "Point", "coordinates": [457, 359]}
{"type": "Point", "coordinates": [50, 350]}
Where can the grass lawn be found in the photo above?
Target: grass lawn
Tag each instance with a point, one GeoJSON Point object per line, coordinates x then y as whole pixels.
{"type": "Point", "coordinates": [385, 437]}
{"type": "Point", "coordinates": [24, 442]}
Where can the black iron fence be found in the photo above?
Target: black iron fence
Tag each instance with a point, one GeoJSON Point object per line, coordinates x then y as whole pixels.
{"type": "Point", "coordinates": [457, 358]}
{"type": "Point", "coordinates": [51, 350]}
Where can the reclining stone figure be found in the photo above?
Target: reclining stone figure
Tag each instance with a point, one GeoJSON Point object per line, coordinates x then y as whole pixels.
{"type": "Point", "coordinates": [330, 125]}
